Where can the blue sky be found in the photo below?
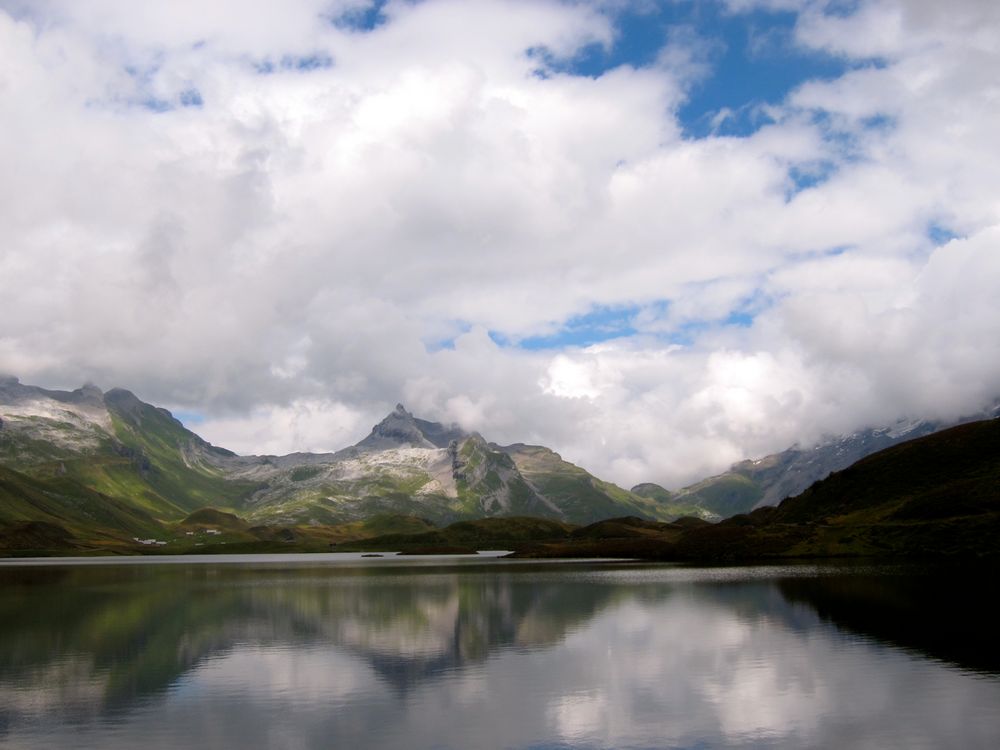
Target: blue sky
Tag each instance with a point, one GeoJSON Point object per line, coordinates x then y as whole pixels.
{"type": "Point", "coordinates": [750, 59]}
{"type": "Point", "coordinates": [747, 62]}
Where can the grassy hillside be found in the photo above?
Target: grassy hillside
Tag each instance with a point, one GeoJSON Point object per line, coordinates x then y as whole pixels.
{"type": "Point", "coordinates": [169, 461]}
{"type": "Point", "coordinates": [724, 495]}
{"type": "Point", "coordinates": [68, 512]}
{"type": "Point", "coordinates": [488, 481]}
{"type": "Point", "coordinates": [116, 446]}
{"type": "Point", "coordinates": [677, 505]}
{"type": "Point", "coordinates": [582, 497]}
{"type": "Point", "coordinates": [935, 496]}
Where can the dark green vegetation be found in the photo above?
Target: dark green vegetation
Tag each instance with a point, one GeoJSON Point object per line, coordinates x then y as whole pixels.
{"type": "Point", "coordinates": [487, 533]}
{"type": "Point", "coordinates": [767, 481]}
{"type": "Point", "coordinates": [934, 497]}
{"type": "Point", "coordinates": [37, 515]}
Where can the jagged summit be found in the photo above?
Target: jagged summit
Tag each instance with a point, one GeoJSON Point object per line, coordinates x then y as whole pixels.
{"type": "Point", "coordinates": [401, 429]}
{"type": "Point", "coordinates": [87, 395]}
{"type": "Point", "coordinates": [13, 391]}
{"type": "Point", "coordinates": [398, 429]}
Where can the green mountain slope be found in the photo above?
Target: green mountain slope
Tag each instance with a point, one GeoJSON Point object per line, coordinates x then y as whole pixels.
{"type": "Point", "coordinates": [952, 474]}
{"type": "Point", "coordinates": [581, 497]}
{"type": "Point", "coordinates": [769, 480]}
{"type": "Point", "coordinates": [115, 445]}
{"type": "Point", "coordinates": [936, 495]}
{"type": "Point", "coordinates": [173, 462]}
{"type": "Point", "coordinates": [724, 495]}
{"type": "Point", "coordinates": [489, 482]}
{"type": "Point", "coordinates": [84, 515]}
{"type": "Point", "coordinates": [677, 505]}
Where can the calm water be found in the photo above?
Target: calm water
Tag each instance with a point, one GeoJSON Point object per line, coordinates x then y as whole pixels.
{"type": "Point", "coordinates": [331, 652]}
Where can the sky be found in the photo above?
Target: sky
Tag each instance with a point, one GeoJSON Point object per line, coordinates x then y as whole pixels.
{"type": "Point", "coordinates": [658, 237]}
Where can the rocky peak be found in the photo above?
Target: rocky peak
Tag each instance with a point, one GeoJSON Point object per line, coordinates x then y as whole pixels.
{"type": "Point", "coordinates": [87, 395]}
{"type": "Point", "coordinates": [124, 402]}
{"type": "Point", "coordinates": [87, 401]}
{"type": "Point", "coordinates": [13, 390]}
{"type": "Point", "coordinates": [399, 429]}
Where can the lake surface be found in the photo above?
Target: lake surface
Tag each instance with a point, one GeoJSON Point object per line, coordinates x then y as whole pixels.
{"type": "Point", "coordinates": [335, 651]}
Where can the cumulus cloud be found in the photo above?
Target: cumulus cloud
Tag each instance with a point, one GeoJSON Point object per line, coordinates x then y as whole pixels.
{"type": "Point", "coordinates": [287, 223]}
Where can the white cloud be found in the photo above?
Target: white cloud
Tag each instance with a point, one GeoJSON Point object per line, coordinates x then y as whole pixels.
{"type": "Point", "coordinates": [287, 257]}
{"type": "Point", "coordinates": [313, 425]}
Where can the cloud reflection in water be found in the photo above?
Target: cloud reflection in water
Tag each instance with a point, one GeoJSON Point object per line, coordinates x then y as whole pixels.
{"type": "Point", "coordinates": [514, 657]}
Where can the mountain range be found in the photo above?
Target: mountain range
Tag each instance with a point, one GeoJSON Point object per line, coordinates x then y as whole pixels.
{"type": "Point", "coordinates": [92, 459]}
{"type": "Point", "coordinates": [936, 497]}
{"type": "Point", "coordinates": [92, 464]}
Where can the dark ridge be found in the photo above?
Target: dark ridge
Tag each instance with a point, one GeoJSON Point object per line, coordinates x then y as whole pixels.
{"type": "Point", "coordinates": [943, 474]}
{"type": "Point", "coordinates": [620, 528]}
{"type": "Point", "coordinates": [36, 535]}
{"type": "Point", "coordinates": [932, 497]}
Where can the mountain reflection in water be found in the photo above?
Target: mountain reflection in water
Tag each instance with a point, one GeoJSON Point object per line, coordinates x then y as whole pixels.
{"type": "Point", "coordinates": [493, 655]}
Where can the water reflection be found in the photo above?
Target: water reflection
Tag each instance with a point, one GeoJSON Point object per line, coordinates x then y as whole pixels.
{"type": "Point", "coordinates": [477, 656]}
{"type": "Point", "coordinates": [945, 614]}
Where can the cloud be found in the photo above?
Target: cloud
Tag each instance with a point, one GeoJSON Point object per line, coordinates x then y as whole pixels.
{"type": "Point", "coordinates": [341, 218]}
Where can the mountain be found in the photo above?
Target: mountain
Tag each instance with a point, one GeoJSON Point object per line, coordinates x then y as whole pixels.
{"type": "Point", "coordinates": [113, 444]}
{"type": "Point", "coordinates": [767, 481]}
{"type": "Point", "coordinates": [402, 429]}
{"type": "Point", "coordinates": [412, 466]}
{"type": "Point", "coordinates": [934, 497]}
{"type": "Point", "coordinates": [63, 506]}
{"type": "Point", "coordinates": [580, 497]}
{"type": "Point", "coordinates": [99, 463]}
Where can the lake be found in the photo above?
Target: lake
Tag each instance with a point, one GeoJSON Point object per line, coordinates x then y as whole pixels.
{"type": "Point", "coordinates": [336, 651]}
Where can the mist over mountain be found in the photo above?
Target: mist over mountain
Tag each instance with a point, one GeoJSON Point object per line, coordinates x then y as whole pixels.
{"type": "Point", "coordinates": [934, 496]}
{"type": "Point", "coordinates": [768, 480]}
{"type": "Point", "coordinates": [87, 460]}
{"type": "Point", "coordinates": [89, 464]}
